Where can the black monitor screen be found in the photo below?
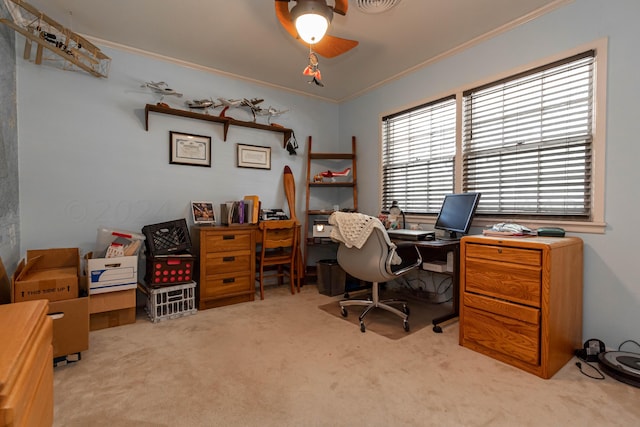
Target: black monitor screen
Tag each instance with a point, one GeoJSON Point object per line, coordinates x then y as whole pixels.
{"type": "Point", "coordinates": [456, 213]}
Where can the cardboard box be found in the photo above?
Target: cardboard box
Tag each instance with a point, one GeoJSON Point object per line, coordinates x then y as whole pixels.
{"type": "Point", "coordinates": [47, 274]}
{"type": "Point", "coordinates": [109, 319]}
{"type": "Point", "coordinates": [71, 323]}
{"type": "Point", "coordinates": [111, 309]}
{"type": "Point", "coordinates": [112, 301]}
{"type": "Point", "coordinates": [111, 274]}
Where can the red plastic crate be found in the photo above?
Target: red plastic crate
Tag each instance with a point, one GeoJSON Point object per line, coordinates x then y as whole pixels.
{"type": "Point", "coordinates": [169, 270]}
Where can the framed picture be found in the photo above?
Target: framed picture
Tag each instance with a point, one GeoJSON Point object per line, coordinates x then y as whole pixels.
{"type": "Point", "coordinates": [187, 149]}
{"type": "Point", "coordinates": [253, 156]}
{"type": "Point", "coordinates": [203, 213]}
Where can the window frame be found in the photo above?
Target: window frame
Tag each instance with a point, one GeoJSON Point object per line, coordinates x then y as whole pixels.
{"type": "Point", "coordinates": [596, 224]}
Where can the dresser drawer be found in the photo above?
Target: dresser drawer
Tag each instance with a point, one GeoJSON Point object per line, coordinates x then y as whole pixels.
{"type": "Point", "coordinates": [221, 286]}
{"type": "Point", "coordinates": [505, 335]}
{"type": "Point", "coordinates": [513, 282]}
{"type": "Point", "coordinates": [34, 383]}
{"type": "Point", "coordinates": [228, 262]}
{"type": "Point", "coordinates": [504, 254]}
{"type": "Point", "coordinates": [226, 241]}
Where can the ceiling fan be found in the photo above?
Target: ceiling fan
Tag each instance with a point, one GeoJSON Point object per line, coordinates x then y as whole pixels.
{"type": "Point", "coordinates": [328, 46]}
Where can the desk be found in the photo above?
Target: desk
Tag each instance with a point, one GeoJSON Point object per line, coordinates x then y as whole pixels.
{"type": "Point", "coordinates": [432, 250]}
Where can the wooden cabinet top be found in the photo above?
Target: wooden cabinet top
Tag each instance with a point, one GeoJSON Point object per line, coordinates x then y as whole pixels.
{"type": "Point", "coordinates": [19, 323]}
{"type": "Point", "coordinates": [533, 242]}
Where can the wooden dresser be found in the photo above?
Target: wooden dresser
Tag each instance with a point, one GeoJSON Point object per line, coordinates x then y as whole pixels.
{"type": "Point", "coordinates": [226, 264]}
{"type": "Point", "coordinates": [521, 300]}
{"type": "Point", "coordinates": [26, 364]}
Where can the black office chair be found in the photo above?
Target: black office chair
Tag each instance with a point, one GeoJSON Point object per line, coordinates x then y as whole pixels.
{"type": "Point", "coordinates": [375, 261]}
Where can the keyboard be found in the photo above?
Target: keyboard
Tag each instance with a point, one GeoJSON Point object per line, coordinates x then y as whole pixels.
{"type": "Point", "coordinates": [402, 234]}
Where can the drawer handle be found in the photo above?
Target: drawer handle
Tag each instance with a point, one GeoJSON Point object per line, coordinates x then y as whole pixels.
{"type": "Point", "coordinates": [499, 251]}
{"type": "Point", "coordinates": [228, 237]}
{"type": "Point", "coordinates": [228, 258]}
{"type": "Point", "coordinates": [229, 280]}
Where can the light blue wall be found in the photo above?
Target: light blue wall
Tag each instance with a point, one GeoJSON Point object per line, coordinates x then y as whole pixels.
{"type": "Point", "coordinates": [612, 278]}
{"type": "Point", "coordinates": [86, 160]}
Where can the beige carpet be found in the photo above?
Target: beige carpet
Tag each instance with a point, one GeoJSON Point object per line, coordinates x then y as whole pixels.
{"type": "Point", "coordinates": [421, 315]}
{"type": "Point", "coordinates": [283, 362]}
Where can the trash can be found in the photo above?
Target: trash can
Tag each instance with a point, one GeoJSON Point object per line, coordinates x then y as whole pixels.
{"type": "Point", "coordinates": [331, 277]}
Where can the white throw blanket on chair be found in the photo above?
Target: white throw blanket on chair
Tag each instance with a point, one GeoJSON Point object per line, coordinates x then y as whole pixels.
{"type": "Point", "coordinates": [353, 229]}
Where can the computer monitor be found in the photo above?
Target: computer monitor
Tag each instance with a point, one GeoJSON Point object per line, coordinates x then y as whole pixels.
{"type": "Point", "coordinates": [456, 214]}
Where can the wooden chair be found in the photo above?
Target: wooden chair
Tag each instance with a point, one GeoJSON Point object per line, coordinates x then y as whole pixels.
{"type": "Point", "coordinates": [279, 247]}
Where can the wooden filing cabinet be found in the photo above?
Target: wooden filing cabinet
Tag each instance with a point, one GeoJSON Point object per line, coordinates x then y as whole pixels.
{"type": "Point", "coordinates": [226, 264]}
{"type": "Point", "coordinates": [521, 300]}
{"type": "Point", "coordinates": [26, 364]}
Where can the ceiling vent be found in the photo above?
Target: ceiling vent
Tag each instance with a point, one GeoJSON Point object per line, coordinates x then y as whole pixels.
{"type": "Point", "coordinates": [375, 6]}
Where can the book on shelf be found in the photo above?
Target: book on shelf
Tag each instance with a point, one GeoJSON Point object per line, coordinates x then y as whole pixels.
{"type": "Point", "coordinates": [238, 212]}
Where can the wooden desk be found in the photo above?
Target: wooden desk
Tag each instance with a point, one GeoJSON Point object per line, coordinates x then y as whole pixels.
{"type": "Point", "coordinates": [436, 250]}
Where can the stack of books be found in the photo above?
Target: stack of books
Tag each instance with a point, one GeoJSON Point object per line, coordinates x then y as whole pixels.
{"type": "Point", "coordinates": [245, 211]}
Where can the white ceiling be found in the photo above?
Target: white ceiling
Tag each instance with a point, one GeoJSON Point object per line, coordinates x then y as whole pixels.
{"type": "Point", "coordinates": [244, 37]}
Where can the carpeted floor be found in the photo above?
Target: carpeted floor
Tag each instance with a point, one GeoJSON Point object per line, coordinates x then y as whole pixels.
{"type": "Point", "coordinates": [284, 362]}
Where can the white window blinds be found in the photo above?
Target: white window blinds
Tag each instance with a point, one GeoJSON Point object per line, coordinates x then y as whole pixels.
{"type": "Point", "coordinates": [527, 142]}
{"type": "Point", "coordinates": [418, 150]}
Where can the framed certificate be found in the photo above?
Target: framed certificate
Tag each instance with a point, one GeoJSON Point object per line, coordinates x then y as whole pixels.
{"type": "Point", "coordinates": [187, 149]}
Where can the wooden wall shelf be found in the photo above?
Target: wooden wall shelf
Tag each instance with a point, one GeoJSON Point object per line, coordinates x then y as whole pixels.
{"type": "Point", "coordinates": [225, 121]}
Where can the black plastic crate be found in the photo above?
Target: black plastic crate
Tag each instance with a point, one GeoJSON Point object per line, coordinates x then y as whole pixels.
{"type": "Point", "coordinates": [167, 238]}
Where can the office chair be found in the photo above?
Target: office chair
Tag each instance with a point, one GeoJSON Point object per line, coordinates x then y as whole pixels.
{"type": "Point", "coordinates": [279, 246]}
{"type": "Point", "coordinates": [366, 253]}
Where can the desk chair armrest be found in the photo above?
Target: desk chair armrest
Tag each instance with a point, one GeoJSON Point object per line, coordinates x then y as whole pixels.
{"type": "Point", "coordinates": [411, 259]}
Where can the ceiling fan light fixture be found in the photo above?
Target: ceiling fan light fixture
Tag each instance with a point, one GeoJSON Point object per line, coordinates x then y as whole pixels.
{"type": "Point", "coordinates": [311, 18]}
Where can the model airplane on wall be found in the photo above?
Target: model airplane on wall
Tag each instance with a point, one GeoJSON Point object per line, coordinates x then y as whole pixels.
{"type": "Point", "coordinates": [200, 104]}
{"type": "Point", "coordinates": [270, 112]}
{"type": "Point", "coordinates": [162, 89]}
{"type": "Point", "coordinates": [50, 36]}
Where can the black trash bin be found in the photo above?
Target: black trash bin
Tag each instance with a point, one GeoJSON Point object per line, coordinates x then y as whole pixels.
{"type": "Point", "coordinates": [331, 277]}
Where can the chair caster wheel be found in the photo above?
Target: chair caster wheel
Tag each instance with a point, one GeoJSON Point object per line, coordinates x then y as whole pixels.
{"type": "Point", "coordinates": [343, 312]}
{"type": "Point", "coordinates": [437, 329]}
{"type": "Point", "coordinates": [405, 309]}
{"type": "Point", "coordinates": [362, 328]}
{"type": "Point", "coordinates": [405, 325]}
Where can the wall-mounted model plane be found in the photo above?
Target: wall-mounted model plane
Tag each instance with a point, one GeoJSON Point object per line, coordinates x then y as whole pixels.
{"type": "Point", "coordinates": [162, 89]}
{"type": "Point", "coordinates": [50, 36]}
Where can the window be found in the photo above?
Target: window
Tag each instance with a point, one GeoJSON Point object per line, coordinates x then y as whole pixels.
{"type": "Point", "coordinates": [527, 141]}
{"type": "Point", "coordinates": [419, 147]}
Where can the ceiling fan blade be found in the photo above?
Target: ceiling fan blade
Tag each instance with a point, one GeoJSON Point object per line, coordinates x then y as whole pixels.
{"type": "Point", "coordinates": [329, 46]}
{"type": "Point", "coordinates": [341, 7]}
{"type": "Point", "coordinates": [284, 16]}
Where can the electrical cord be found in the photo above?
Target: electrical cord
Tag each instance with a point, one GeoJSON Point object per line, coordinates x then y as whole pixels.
{"type": "Point", "coordinates": [624, 342]}
{"type": "Point", "coordinates": [579, 365]}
